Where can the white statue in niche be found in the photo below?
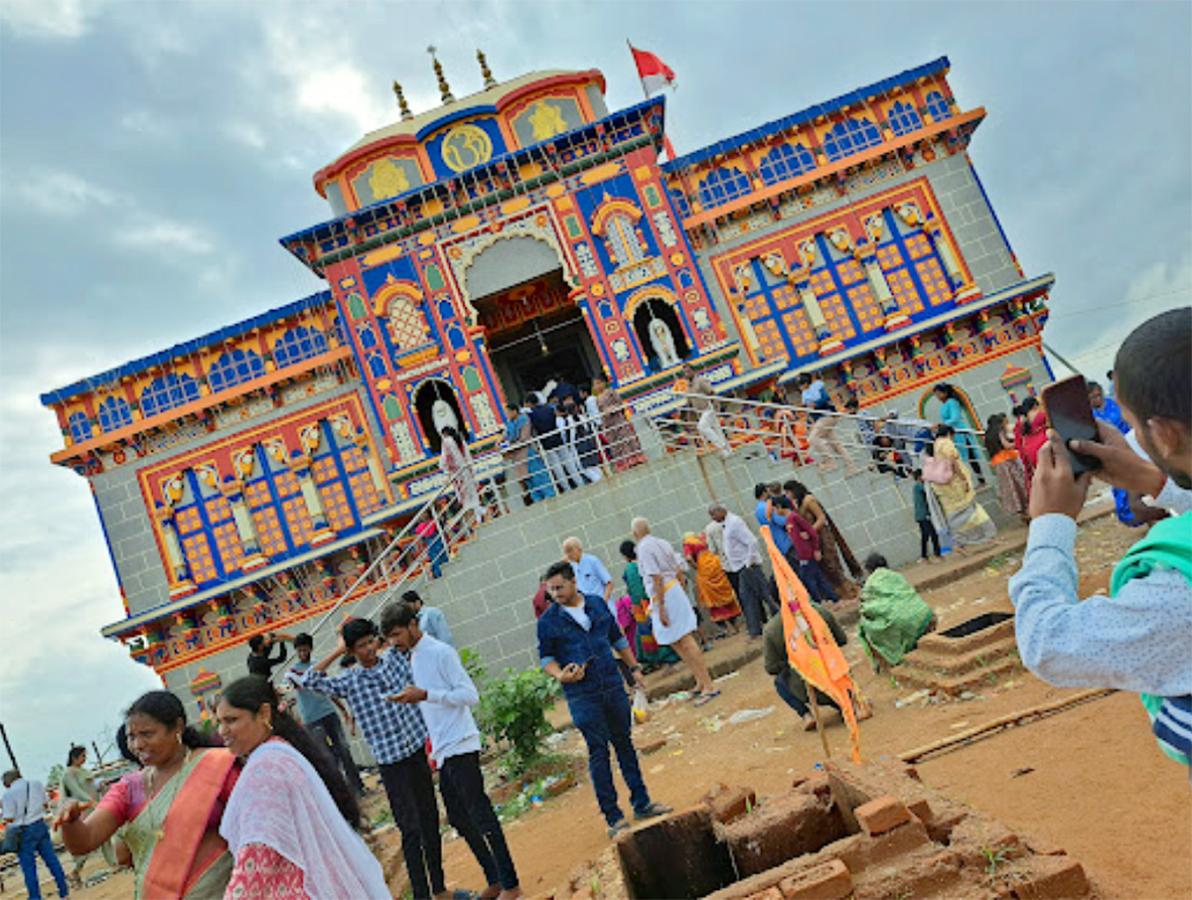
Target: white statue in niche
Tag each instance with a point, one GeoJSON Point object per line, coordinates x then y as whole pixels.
{"type": "Point", "coordinates": [443, 416]}
{"type": "Point", "coordinates": [663, 343]}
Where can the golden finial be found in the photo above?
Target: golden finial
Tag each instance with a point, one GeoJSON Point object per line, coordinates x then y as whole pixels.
{"type": "Point", "coordinates": [489, 81]}
{"type": "Point", "coordinates": [401, 102]}
{"type": "Point", "coordinates": [444, 88]}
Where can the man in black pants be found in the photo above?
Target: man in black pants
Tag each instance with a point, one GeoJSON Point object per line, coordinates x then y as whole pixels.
{"type": "Point", "coordinates": [445, 693]}
{"type": "Point", "coordinates": [396, 735]}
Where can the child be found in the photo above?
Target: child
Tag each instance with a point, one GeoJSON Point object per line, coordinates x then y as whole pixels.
{"type": "Point", "coordinates": [807, 550]}
{"type": "Point", "coordinates": [927, 530]}
{"type": "Point", "coordinates": [649, 652]}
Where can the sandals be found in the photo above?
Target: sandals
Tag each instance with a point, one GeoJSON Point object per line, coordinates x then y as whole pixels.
{"type": "Point", "coordinates": [706, 698]}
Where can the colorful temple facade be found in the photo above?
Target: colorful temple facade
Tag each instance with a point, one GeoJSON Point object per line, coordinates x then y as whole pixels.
{"type": "Point", "coordinates": [511, 236]}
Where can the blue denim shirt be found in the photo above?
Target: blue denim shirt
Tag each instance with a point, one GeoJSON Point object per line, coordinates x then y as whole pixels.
{"type": "Point", "coordinates": [564, 640]}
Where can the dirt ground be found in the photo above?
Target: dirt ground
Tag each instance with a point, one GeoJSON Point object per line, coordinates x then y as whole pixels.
{"type": "Point", "coordinates": [1089, 779]}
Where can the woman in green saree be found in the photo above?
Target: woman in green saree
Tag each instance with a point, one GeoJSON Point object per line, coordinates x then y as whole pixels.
{"type": "Point", "coordinates": [169, 811]}
{"type": "Point", "coordinates": [77, 784]}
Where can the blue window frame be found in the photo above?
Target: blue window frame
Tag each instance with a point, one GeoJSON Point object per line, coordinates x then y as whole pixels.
{"type": "Point", "coordinates": [233, 368]}
{"type": "Point", "coordinates": [723, 185]}
{"type": "Point", "coordinates": [904, 119]}
{"type": "Point", "coordinates": [849, 137]}
{"type": "Point", "coordinates": [114, 413]}
{"type": "Point", "coordinates": [938, 106]}
{"type": "Point", "coordinates": [168, 391]}
{"type": "Point", "coordinates": [376, 365]}
{"type": "Point", "coordinates": [80, 427]}
{"type": "Point", "coordinates": [784, 162]}
{"type": "Point", "coordinates": [680, 201]}
{"type": "Point", "coordinates": [297, 344]}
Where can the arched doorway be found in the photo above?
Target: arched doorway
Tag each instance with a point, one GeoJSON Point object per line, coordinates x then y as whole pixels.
{"type": "Point", "coordinates": [929, 406]}
{"type": "Point", "coordinates": [430, 391]}
{"type": "Point", "coordinates": [648, 313]}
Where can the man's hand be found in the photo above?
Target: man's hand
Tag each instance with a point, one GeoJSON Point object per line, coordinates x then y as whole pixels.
{"type": "Point", "coordinates": [1120, 465]}
{"type": "Point", "coordinates": [408, 694]}
{"type": "Point", "coordinates": [662, 616]}
{"type": "Point", "coordinates": [571, 673]}
{"type": "Point", "coordinates": [639, 680]}
{"type": "Point", "coordinates": [1054, 490]}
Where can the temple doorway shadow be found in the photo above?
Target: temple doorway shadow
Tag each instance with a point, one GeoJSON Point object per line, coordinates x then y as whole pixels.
{"type": "Point", "coordinates": [535, 333]}
{"type": "Point", "coordinates": [659, 333]}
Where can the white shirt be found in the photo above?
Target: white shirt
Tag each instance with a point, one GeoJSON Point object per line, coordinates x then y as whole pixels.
{"type": "Point", "coordinates": [450, 694]}
{"type": "Point", "coordinates": [592, 408]}
{"type": "Point", "coordinates": [740, 546]}
{"type": "Point", "coordinates": [657, 557]}
{"type": "Point", "coordinates": [24, 802]}
{"type": "Point", "coordinates": [579, 614]}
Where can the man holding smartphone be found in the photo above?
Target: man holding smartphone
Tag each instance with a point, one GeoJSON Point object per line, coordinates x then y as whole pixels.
{"type": "Point", "coordinates": [576, 640]}
{"type": "Point", "coordinates": [1137, 638]}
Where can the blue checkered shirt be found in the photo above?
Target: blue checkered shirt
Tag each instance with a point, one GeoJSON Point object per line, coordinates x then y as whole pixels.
{"type": "Point", "coordinates": [394, 731]}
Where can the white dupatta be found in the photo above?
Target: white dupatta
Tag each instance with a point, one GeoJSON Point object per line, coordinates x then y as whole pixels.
{"type": "Point", "coordinates": [280, 801]}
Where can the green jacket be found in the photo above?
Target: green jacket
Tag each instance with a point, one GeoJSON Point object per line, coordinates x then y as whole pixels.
{"type": "Point", "coordinates": [774, 656]}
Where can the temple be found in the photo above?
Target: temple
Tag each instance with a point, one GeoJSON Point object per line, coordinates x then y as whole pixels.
{"type": "Point", "coordinates": [525, 232]}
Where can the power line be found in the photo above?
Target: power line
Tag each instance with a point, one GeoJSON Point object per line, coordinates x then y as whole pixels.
{"type": "Point", "coordinates": [1132, 302]}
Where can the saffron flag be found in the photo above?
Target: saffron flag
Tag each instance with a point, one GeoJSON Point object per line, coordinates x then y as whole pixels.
{"type": "Point", "coordinates": [653, 72]}
{"type": "Point", "coordinates": [810, 648]}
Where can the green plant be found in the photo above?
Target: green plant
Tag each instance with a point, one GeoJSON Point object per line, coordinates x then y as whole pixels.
{"type": "Point", "coordinates": [472, 665]}
{"type": "Point", "coordinates": [512, 710]}
{"type": "Point", "coordinates": [993, 859]}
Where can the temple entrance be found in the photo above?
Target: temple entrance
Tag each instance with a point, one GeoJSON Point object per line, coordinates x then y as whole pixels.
{"type": "Point", "coordinates": [536, 333]}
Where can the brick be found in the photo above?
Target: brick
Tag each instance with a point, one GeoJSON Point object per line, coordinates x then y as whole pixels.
{"type": "Point", "coordinates": [768, 894]}
{"type": "Point", "coordinates": [920, 809]}
{"type": "Point", "coordinates": [881, 815]}
{"type": "Point", "coordinates": [827, 881]}
{"type": "Point", "coordinates": [780, 829]}
{"type": "Point", "coordinates": [727, 804]}
{"type": "Point", "coordinates": [1051, 878]}
{"type": "Point", "coordinates": [875, 851]}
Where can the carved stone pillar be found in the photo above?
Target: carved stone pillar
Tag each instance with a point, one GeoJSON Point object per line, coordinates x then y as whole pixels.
{"type": "Point", "coordinates": [253, 557]}
{"type": "Point", "coordinates": [179, 570]}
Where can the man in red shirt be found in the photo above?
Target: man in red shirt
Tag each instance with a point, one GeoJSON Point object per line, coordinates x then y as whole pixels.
{"type": "Point", "coordinates": [806, 546]}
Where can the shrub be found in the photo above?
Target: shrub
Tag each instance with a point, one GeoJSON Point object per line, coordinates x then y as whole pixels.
{"type": "Point", "coordinates": [473, 666]}
{"type": "Point", "coordinates": [513, 710]}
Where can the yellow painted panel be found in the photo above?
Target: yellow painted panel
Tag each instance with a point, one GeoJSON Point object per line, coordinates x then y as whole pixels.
{"type": "Point", "coordinates": [601, 173]}
{"type": "Point", "coordinates": [393, 251]}
{"type": "Point", "coordinates": [556, 190]}
{"type": "Point", "coordinates": [517, 204]}
{"type": "Point", "coordinates": [426, 239]}
{"type": "Point", "coordinates": [467, 223]}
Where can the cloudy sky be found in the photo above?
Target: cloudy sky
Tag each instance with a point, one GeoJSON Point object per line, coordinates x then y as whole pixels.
{"type": "Point", "coordinates": [151, 153]}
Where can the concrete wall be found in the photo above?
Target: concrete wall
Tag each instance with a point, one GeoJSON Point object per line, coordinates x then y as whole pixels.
{"type": "Point", "coordinates": [125, 518]}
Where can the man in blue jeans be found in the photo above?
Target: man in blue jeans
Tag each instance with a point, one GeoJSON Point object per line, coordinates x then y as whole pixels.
{"type": "Point", "coordinates": [576, 639]}
{"type": "Point", "coordinates": [24, 807]}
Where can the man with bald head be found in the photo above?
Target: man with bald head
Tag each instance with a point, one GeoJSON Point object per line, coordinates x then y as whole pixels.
{"type": "Point", "coordinates": [591, 575]}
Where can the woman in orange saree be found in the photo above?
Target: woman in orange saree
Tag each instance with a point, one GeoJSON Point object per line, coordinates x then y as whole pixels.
{"type": "Point", "coordinates": [169, 811]}
{"type": "Point", "coordinates": [712, 585]}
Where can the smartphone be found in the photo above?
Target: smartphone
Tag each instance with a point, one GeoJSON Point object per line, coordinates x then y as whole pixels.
{"type": "Point", "coordinates": [1071, 417]}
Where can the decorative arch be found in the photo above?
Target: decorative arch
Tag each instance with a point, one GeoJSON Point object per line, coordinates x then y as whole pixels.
{"type": "Point", "coordinates": [114, 413]}
{"type": "Point", "coordinates": [234, 367]}
{"type": "Point", "coordinates": [525, 228]}
{"type": "Point", "coordinates": [653, 303]}
{"type": "Point", "coordinates": [610, 207]}
{"type": "Point", "coordinates": [937, 105]}
{"type": "Point", "coordinates": [400, 304]}
{"type": "Point", "coordinates": [903, 118]}
{"type": "Point", "coordinates": [784, 162]}
{"type": "Point", "coordinates": [298, 343]}
{"type": "Point", "coordinates": [850, 136]}
{"type": "Point", "coordinates": [722, 185]}
{"type": "Point", "coordinates": [966, 404]}
{"type": "Point", "coordinates": [425, 395]}
{"type": "Point", "coordinates": [80, 427]}
{"type": "Point", "coordinates": [168, 391]}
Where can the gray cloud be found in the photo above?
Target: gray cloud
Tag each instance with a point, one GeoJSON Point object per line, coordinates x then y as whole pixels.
{"type": "Point", "coordinates": [153, 153]}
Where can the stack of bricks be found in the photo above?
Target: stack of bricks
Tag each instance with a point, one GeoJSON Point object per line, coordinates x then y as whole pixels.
{"type": "Point", "coordinates": [861, 832]}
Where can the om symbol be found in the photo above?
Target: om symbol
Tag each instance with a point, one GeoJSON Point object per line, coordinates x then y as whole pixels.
{"type": "Point", "coordinates": [466, 146]}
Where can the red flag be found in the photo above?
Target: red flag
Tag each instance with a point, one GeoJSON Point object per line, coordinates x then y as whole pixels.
{"type": "Point", "coordinates": [653, 72]}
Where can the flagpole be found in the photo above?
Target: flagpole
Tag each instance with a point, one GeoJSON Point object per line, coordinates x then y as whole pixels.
{"type": "Point", "coordinates": [815, 715]}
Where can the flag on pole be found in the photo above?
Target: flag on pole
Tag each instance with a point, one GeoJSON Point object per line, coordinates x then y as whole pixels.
{"type": "Point", "coordinates": [810, 648]}
{"type": "Point", "coordinates": [653, 72]}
